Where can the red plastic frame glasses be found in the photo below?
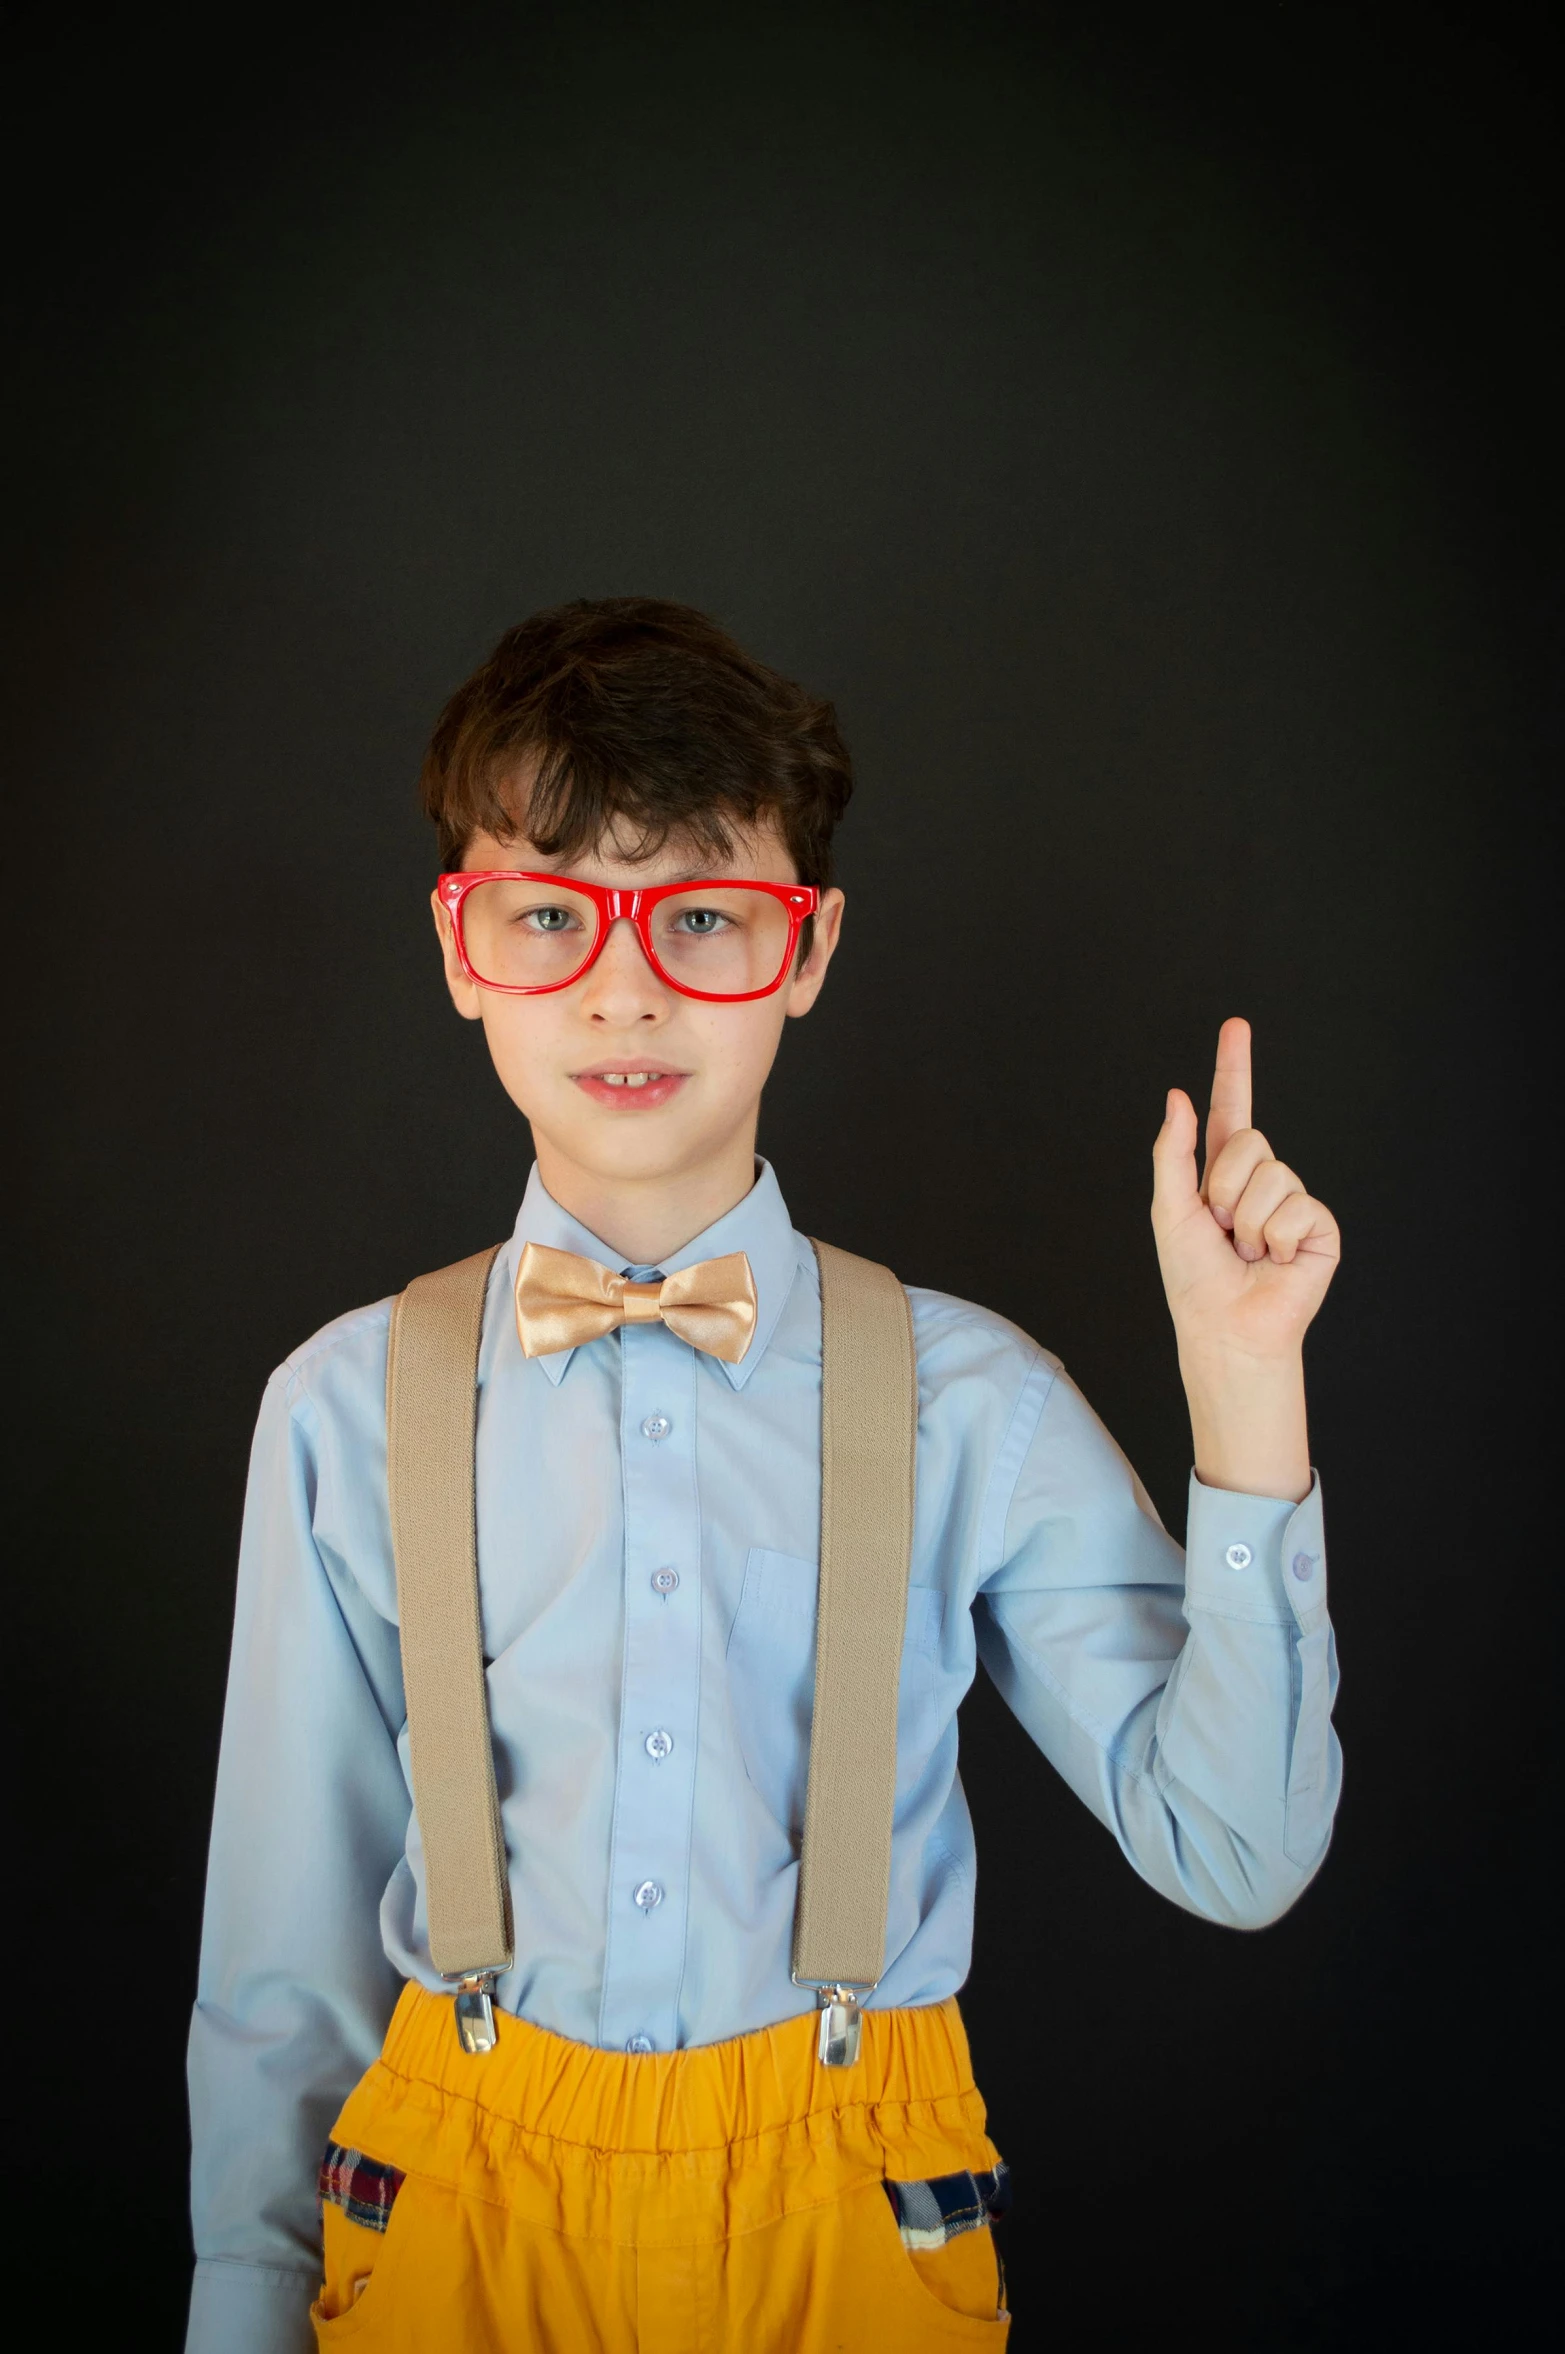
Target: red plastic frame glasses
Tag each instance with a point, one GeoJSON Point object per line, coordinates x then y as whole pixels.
{"type": "Point", "coordinates": [799, 900]}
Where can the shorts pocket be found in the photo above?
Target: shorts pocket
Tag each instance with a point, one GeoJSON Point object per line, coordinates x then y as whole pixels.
{"type": "Point", "coordinates": [950, 2290]}
{"type": "Point", "coordinates": [363, 2223]}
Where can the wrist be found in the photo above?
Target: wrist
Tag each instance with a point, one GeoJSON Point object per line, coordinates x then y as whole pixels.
{"type": "Point", "coordinates": [1248, 1423]}
{"type": "Point", "coordinates": [1226, 1377]}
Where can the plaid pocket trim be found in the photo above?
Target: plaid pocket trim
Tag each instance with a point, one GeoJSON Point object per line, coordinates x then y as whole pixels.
{"type": "Point", "coordinates": [930, 2213]}
{"type": "Point", "coordinates": [362, 2187]}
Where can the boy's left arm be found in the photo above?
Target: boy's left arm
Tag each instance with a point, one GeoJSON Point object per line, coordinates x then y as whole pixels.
{"type": "Point", "coordinates": [1189, 1703]}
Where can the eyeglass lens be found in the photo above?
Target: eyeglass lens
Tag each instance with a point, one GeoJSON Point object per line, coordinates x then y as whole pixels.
{"type": "Point", "coordinates": [525, 935]}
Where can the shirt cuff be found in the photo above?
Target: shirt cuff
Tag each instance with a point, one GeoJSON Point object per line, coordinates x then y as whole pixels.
{"type": "Point", "coordinates": [1256, 1557]}
{"type": "Point", "coordinates": [250, 2309]}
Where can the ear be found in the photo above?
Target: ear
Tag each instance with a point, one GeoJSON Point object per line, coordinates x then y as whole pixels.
{"type": "Point", "coordinates": [805, 986]}
{"type": "Point", "coordinates": [464, 993]}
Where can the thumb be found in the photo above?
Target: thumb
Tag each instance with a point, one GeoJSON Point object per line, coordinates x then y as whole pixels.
{"type": "Point", "coordinates": [1174, 1186]}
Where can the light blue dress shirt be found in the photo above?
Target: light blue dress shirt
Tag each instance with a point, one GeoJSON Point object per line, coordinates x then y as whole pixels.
{"type": "Point", "coordinates": [648, 1522]}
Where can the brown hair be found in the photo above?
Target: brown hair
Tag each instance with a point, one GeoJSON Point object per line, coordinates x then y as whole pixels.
{"type": "Point", "coordinates": [639, 711]}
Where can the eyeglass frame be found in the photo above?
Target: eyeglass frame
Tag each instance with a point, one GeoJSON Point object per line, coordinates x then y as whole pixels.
{"type": "Point", "coordinates": [801, 900]}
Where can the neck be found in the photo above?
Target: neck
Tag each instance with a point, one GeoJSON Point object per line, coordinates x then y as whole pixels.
{"type": "Point", "coordinates": [645, 1220]}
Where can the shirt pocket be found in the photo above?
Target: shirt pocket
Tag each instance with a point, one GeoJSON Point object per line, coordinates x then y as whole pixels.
{"type": "Point", "coordinates": [771, 1680]}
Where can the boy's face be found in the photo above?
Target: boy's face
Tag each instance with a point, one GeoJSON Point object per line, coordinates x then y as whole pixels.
{"type": "Point", "coordinates": [559, 1054]}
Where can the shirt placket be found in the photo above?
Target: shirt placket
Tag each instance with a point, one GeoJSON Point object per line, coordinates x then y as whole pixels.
{"type": "Point", "coordinates": [654, 1786]}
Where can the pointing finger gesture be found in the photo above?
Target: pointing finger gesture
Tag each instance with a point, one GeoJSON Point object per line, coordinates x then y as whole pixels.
{"type": "Point", "coordinates": [1230, 1105]}
{"type": "Point", "coordinates": [1246, 1254]}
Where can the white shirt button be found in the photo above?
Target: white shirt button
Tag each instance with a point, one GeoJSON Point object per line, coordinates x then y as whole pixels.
{"type": "Point", "coordinates": [1303, 1564]}
{"type": "Point", "coordinates": [1238, 1557]}
{"type": "Point", "coordinates": [648, 1895]}
{"type": "Point", "coordinates": [659, 1745]}
{"type": "Point", "coordinates": [656, 1426]}
{"type": "Point", "coordinates": [664, 1580]}
{"type": "Point", "coordinates": [640, 2043]}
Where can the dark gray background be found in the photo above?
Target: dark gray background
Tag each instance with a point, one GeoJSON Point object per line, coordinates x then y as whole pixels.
{"type": "Point", "coordinates": [1138, 425]}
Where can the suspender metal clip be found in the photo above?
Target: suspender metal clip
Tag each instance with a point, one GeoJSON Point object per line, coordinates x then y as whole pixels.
{"type": "Point", "coordinates": [475, 2025]}
{"type": "Point", "coordinates": [842, 2023]}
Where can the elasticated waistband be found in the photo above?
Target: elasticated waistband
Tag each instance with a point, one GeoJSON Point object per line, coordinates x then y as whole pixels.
{"type": "Point", "coordinates": [593, 2142]}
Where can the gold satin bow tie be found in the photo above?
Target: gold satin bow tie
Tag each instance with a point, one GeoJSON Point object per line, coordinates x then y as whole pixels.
{"type": "Point", "coordinates": [564, 1300]}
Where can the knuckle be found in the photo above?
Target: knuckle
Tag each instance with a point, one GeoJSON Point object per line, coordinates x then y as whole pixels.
{"type": "Point", "coordinates": [1244, 1151]}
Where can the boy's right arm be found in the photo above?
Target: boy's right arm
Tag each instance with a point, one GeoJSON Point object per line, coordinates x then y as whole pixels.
{"type": "Point", "coordinates": [310, 1820]}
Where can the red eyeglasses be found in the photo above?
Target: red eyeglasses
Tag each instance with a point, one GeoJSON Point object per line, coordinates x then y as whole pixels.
{"type": "Point", "coordinates": [527, 933]}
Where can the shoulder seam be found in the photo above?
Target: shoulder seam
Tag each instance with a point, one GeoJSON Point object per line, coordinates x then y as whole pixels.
{"type": "Point", "coordinates": [320, 1344]}
{"type": "Point", "coordinates": [993, 1320]}
{"type": "Point", "coordinates": [994, 1543]}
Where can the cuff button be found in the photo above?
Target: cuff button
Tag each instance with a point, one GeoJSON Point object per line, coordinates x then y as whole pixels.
{"type": "Point", "coordinates": [1238, 1557]}
{"type": "Point", "coordinates": [1303, 1564]}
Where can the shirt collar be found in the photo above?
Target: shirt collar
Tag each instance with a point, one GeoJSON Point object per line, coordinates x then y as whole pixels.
{"type": "Point", "coordinates": [759, 1226]}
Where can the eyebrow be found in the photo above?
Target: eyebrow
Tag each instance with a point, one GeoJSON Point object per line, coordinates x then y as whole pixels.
{"type": "Point", "coordinates": [688, 874]}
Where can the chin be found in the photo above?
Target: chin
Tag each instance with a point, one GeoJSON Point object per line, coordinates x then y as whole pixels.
{"type": "Point", "coordinates": [641, 1146]}
{"type": "Point", "coordinates": [650, 1156]}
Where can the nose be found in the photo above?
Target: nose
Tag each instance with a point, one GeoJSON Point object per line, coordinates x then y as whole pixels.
{"type": "Point", "coordinates": [621, 986]}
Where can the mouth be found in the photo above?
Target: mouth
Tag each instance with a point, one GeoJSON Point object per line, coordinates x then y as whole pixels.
{"type": "Point", "coordinates": [631, 1084]}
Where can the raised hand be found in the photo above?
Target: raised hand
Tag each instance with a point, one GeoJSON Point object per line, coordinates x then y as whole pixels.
{"type": "Point", "coordinates": [1246, 1256]}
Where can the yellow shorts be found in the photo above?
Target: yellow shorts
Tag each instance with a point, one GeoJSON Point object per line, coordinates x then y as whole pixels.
{"type": "Point", "coordinates": [563, 2200]}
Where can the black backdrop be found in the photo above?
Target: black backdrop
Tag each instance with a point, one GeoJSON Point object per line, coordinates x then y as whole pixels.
{"type": "Point", "coordinates": [1137, 424]}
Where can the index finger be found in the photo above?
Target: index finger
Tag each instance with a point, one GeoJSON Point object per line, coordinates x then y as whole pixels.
{"type": "Point", "coordinates": [1230, 1110]}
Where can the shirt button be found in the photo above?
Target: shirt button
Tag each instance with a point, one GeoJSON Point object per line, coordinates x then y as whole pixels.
{"type": "Point", "coordinates": [664, 1580]}
{"type": "Point", "coordinates": [648, 1895]}
{"type": "Point", "coordinates": [1238, 1557]}
{"type": "Point", "coordinates": [640, 2043]}
{"type": "Point", "coordinates": [656, 1426]}
{"type": "Point", "coordinates": [1303, 1563]}
{"type": "Point", "coordinates": [659, 1745]}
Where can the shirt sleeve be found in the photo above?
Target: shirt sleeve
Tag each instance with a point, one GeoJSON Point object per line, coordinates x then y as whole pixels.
{"type": "Point", "coordinates": [310, 1817]}
{"type": "Point", "coordinates": [1186, 1699]}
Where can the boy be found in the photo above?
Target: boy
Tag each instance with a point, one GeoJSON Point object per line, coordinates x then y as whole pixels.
{"type": "Point", "coordinates": [635, 2138]}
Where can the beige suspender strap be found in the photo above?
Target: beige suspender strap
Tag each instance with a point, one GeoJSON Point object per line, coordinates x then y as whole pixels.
{"type": "Point", "coordinates": [431, 1411]}
{"type": "Point", "coordinates": [869, 1428]}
